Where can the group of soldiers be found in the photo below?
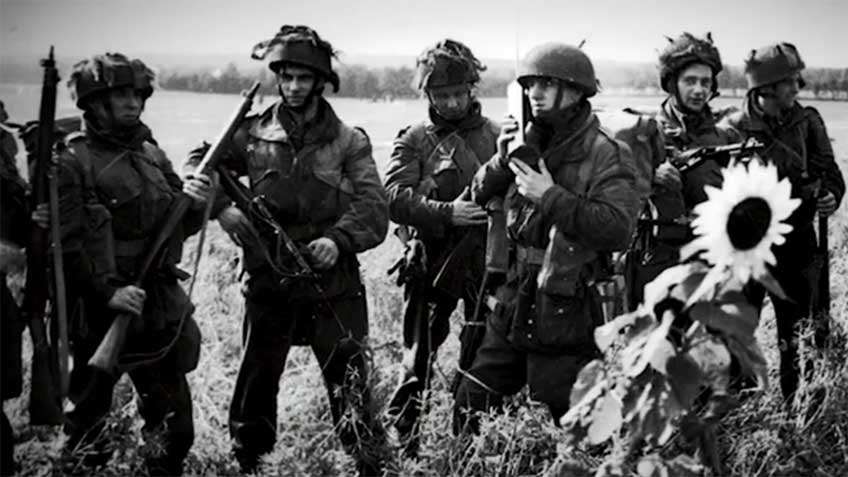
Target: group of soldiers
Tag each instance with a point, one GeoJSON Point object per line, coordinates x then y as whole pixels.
{"type": "Point", "coordinates": [518, 219]}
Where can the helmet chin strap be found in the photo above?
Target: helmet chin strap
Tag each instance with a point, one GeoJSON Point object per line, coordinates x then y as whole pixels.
{"type": "Point", "coordinates": [556, 107]}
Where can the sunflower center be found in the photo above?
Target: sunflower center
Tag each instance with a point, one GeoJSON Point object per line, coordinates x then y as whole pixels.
{"type": "Point", "coordinates": [748, 223]}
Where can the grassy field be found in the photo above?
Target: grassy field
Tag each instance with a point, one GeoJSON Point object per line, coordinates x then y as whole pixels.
{"type": "Point", "coordinates": [761, 438]}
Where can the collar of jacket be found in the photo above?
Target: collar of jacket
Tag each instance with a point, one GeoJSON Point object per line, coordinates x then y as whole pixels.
{"type": "Point", "coordinates": [436, 124]}
{"type": "Point", "coordinates": [561, 130]}
{"type": "Point", "coordinates": [573, 147]}
{"type": "Point", "coordinates": [275, 124]}
{"type": "Point", "coordinates": [129, 138]}
{"type": "Point", "coordinates": [758, 120]}
{"type": "Point", "coordinates": [694, 123]}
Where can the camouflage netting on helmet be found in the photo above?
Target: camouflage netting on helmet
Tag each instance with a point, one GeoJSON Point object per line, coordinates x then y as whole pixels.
{"type": "Point", "coordinates": [560, 61]}
{"type": "Point", "coordinates": [448, 62]}
{"type": "Point", "coordinates": [686, 50]}
{"type": "Point", "coordinates": [773, 63]}
{"type": "Point", "coordinates": [101, 73]}
{"type": "Point", "coordinates": [298, 45]}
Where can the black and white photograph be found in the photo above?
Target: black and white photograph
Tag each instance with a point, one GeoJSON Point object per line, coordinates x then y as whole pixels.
{"type": "Point", "coordinates": [424, 238]}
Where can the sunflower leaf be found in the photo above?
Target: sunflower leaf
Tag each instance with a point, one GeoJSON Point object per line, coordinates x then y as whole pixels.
{"type": "Point", "coordinates": [606, 419]}
{"type": "Point", "coordinates": [590, 384]}
{"type": "Point", "coordinates": [605, 335]}
{"type": "Point", "coordinates": [738, 319]}
{"type": "Point", "coordinates": [684, 375]}
{"type": "Point", "coordinates": [751, 358]}
{"type": "Point", "coordinates": [771, 284]}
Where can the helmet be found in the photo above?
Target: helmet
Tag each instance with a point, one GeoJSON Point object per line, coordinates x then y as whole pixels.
{"type": "Point", "coordinates": [684, 51]}
{"type": "Point", "coordinates": [101, 73]}
{"type": "Point", "coordinates": [563, 62]}
{"type": "Point", "coordinates": [448, 62]}
{"type": "Point", "coordinates": [299, 45]}
{"type": "Point", "coordinates": [771, 64]}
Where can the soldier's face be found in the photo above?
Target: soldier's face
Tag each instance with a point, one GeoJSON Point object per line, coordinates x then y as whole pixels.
{"type": "Point", "coordinates": [125, 104]}
{"type": "Point", "coordinates": [451, 101]}
{"type": "Point", "coordinates": [786, 92]}
{"type": "Point", "coordinates": [694, 86]}
{"type": "Point", "coordinates": [542, 93]}
{"type": "Point", "coordinates": [296, 84]}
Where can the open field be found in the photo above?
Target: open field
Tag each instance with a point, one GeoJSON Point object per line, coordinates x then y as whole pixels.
{"type": "Point", "coordinates": [759, 439]}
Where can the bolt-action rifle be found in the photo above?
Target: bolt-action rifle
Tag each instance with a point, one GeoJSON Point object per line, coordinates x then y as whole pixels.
{"type": "Point", "coordinates": [46, 391]}
{"type": "Point", "coordinates": [107, 353]}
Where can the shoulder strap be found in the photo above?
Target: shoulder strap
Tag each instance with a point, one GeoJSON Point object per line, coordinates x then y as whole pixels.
{"type": "Point", "coordinates": [77, 144]}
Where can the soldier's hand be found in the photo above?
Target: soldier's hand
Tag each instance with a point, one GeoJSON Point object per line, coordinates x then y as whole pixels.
{"type": "Point", "coordinates": [199, 187]}
{"type": "Point", "coordinates": [509, 128]}
{"type": "Point", "coordinates": [129, 299]}
{"type": "Point", "coordinates": [531, 184]}
{"type": "Point", "coordinates": [467, 213]}
{"type": "Point", "coordinates": [41, 215]}
{"type": "Point", "coordinates": [234, 222]}
{"type": "Point", "coordinates": [826, 204]}
{"type": "Point", "coordinates": [324, 252]}
{"type": "Point", "coordinates": [668, 176]}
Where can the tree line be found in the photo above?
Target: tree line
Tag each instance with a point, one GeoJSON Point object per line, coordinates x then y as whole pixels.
{"type": "Point", "coordinates": [388, 83]}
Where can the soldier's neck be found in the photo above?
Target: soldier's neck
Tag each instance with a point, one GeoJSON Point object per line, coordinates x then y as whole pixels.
{"type": "Point", "coordinates": [771, 108]}
{"type": "Point", "coordinates": [304, 114]}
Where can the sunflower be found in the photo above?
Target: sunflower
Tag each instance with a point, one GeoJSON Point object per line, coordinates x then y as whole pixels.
{"type": "Point", "coordinates": [738, 224]}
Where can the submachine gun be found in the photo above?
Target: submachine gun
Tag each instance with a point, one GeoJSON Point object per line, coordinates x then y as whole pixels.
{"type": "Point", "coordinates": [277, 247]}
{"type": "Point", "coordinates": [691, 158]}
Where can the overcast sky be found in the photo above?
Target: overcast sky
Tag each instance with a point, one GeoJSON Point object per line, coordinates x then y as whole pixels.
{"type": "Point", "coordinates": [614, 30]}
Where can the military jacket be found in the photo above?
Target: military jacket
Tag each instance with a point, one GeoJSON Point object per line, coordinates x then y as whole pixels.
{"type": "Point", "coordinates": [320, 180]}
{"type": "Point", "coordinates": [799, 146]}
{"type": "Point", "coordinates": [687, 132]}
{"type": "Point", "coordinates": [560, 243]}
{"type": "Point", "coordinates": [431, 164]}
{"type": "Point", "coordinates": [114, 197]}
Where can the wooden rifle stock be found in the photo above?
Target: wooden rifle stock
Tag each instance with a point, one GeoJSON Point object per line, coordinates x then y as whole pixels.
{"type": "Point", "coordinates": [106, 356]}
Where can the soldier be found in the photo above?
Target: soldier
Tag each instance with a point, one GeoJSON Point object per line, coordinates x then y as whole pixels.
{"type": "Point", "coordinates": [116, 185]}
{"type": "Point", "coordinates": [321, 184]}
{"type": "Point", "coordinates": [689, 67]}
{"type": "Point", "coordinates": [570, 199]}
{"type": "Point", "coordinates": [14, 226]}
{"type": "Point", "coordinates": [796, 141]}
{"type": "Point", "coordinates": [427, 179]}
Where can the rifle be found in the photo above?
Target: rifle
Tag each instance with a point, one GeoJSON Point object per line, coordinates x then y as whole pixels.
{"type": "Point", "coordinates": [106, 356]}
{"type": "Point", "coordinates": [692, 157]}
{"type": "Point", "coordinates": [412, 269]}
{"type": "Point", "coordinates": [821, 294]}
{"type": "Point", "coordinates": [45, 405]}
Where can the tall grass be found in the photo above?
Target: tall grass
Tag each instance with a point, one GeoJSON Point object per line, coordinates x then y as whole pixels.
{"type": "Point", "coordinates": [761, 438]}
